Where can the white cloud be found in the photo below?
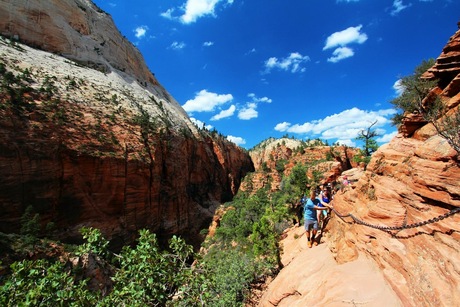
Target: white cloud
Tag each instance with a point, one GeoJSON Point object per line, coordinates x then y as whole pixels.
{"type": "Point", "coordinates": [248, 112]}
{"type": "Point", "coordinates": [257, 99]}
{"type": "Point", "coordinates": [205, 101]}
{"type": "Point", "coordinates": [177, 45]}
{"type": "Point", "coordinates": [200, 124]}
{"type": "Point", "coordinates": [346, 142]}
{"type": "Point", "coordinates": [140, 31]}
{"type": "Point", "coordinates": [345, 37]}
{"type": "Point", "coordinates": [398, 87]}
{"type": "Point", "coordinates": [282, 126]}
{"type": "Point", "coordinates": [385, 138]}
{"type": "Point", "coordinates": [224, 113]}
{"type": "Point", "coordinates": [398, 6]}
{"type": "Point", "coordinates": [194, 9]}
{"type": "Point", "coordinates": [342, 126]}
{"type": "Point", "coordinates": [339, 40]}
{"type": "Point", "coordinates": [208, 44]}
{"type": "Point", "coordinates": [236, 139]}
{"type": "Point", "coordinates": [292, 63]}
{"type": "Point", "coordinates": [168, 14]}
{"type": "Point", "coordinates": [340, 54]}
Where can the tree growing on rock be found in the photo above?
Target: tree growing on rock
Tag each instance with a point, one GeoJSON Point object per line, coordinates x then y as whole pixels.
{"type": "Point", "coordinates": [419, 96]}
{"type": "Point", "coordinates": [367, 136]}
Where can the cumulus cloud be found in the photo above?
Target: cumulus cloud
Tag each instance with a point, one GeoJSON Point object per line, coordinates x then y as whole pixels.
{"type": "Point", "coordinates": [236, 139]}
{"type": "Point", "coordinates": [292, 63]}
{"type": "Point", "coordinates": [398, 6]}
{"type": "Point", "coordinates": [385, 138]}
{"type": "Point", "coordinates": [205, 101]}
{"type": "Point", "coordinates": [177, 45]}
{"type": "Point", "coordinates": [341, 39]}
{"type": "Point", "coordinates": [200, 124]}
{"type": "Point", "coordinates": [284, 126]}
{"type": "Point", "coordinates": [344, 126]}
{"type": "Point", "coordinates": [168, 13]}
{"type": "Point", "coordinates": [224, 113]}
{"type": "Point", "coordinates": [208, 44]}
{"type": "Point", "coordinates": [345, 37]}
{"type": "Point", "coordinates": [249, 110]}
{"type": "Point", "coordinates": [340, 54]}
{"type": "Point", "coordinates": [140, 31]}
{"type": "Point", "coordinates": [194, 9]}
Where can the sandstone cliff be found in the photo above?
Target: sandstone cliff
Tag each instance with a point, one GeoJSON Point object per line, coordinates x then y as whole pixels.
{"type": "Point", "coordinates": [403, 229]}
{"type": "Point", "coordinates": [75, 29]}
{"type": "Point", "coordinates": [274, 158]}
{"type": "Point", "coordinates": [107, 148]}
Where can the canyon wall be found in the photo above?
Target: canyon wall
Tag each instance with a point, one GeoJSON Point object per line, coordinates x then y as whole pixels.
{"type": "Point", "coordinates": [275, 158]}
{"type": "Point", "coordinates": [75, 29]}
{"type": "Point", "coordinates": [107, 148]}
{"type": "Point", "coordinates": [394, 236]}
{"type": "Point", "coordinates": [413, 185]}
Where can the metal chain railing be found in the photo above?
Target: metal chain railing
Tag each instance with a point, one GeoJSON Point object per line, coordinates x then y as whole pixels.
{"type": "Point", "coordinates": [398, 228]}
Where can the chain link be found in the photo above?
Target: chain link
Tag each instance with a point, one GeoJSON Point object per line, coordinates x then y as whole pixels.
{"type": "Point", "coordinates": [397, 228]}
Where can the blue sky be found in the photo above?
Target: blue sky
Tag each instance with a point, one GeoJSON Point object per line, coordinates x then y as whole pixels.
{"type": "Point", "coordinates": [254, 69]}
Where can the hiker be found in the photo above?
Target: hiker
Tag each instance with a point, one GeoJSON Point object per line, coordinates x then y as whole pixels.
{"type": "Point", "coordinates": [298, 209]}
{"type": "Point", "coordinates": [326, 197]}
{"type": "Point", "coordinates": [311, 222]}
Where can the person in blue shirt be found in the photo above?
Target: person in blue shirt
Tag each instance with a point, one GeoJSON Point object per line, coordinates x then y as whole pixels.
{"type": "Point", "coordinates": [311, 223]}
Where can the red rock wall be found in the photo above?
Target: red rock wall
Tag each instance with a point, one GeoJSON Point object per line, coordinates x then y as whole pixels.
{"type": "Point", "coordinates": [176, 193]}
{"type": "Point", "coordinates": [410, 181]}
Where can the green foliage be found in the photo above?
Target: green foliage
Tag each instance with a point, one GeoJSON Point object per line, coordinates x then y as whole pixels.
{"type": "Point", "coordinates": [415, 90]}
{"type": "Point", "coordinates": [44, 283]}
{"type": "Point", "coordinates": [280, 165]}
{"type": "Point", "coordinates": [416, 98]}
{"type": "Point", "coordinates": [95, 242]}
{"type": "Point", "coordinates": [370, 145]}
{"type": "Point", "coordinates": [298, 178]}
{"type": "Point", "coordinates": [147, 275]}
{"type": "Point", "coordinates": [446, 123]}
{"type": "Point", "coordinates": [265, 167]}
{"type": "Point", "coordinates": [448, 127]}
{"type": "Point", "coordinates": [16, 86]}
{"type": "Point", "coordinates": [30, 226]}
{"type": "Point", "coordinates": [231, 273]}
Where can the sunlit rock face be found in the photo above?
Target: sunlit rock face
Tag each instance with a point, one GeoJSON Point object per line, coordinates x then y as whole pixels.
{"type": "Point", "coordinates": [411, 184]}
{"type": "Point", "coordinates": [78, 30]}
{"type": "Point", "coordinates": [330, 161]}
{"type": "Point", "coordinates": [411, 180]}
{"type": "Point", "coordinates": [93, 139]}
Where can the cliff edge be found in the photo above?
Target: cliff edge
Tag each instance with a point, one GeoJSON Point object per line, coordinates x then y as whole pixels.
{"type": "Point", "coordinates": [399, 224]}
{"type": "Point", "coordinates": [88, 137]}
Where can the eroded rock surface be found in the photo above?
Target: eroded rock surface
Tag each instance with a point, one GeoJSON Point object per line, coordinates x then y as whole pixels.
{"type": "Point", "coordinates": [107, 148]}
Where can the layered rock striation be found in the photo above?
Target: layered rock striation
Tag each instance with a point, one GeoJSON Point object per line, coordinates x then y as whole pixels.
{"type": "Point", "coordinates": [395, 234]}
{"type": "Point", "coordinates": [75, 29]}
{"type": "Point", "coordinates": [107, 148]}
{"type": "Point", "coordinates": [275, 158]}
{"type": "Point", "coordinates": [413, 185]}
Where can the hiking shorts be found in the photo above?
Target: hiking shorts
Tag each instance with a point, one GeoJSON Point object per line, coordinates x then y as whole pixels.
{"type": "Point", "coordinates": [310, 224]}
